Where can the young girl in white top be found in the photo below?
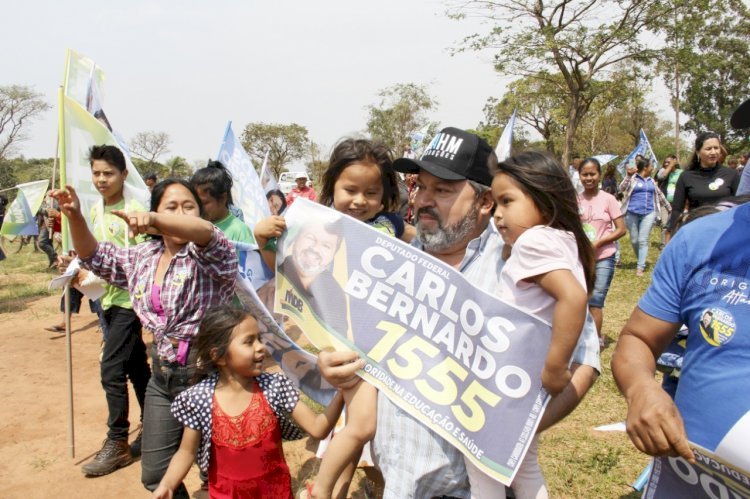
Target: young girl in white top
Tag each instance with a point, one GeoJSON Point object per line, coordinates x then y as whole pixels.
{"type": "Point", "coordinates": [549, 267]}
{"type": "Point", "coordinates": [360, 182]}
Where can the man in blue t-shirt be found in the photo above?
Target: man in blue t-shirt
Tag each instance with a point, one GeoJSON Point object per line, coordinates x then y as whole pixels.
{"type": "Point", "coordinates": [702, 280]}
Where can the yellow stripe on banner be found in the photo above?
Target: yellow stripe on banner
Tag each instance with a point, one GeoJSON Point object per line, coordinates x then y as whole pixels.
{"type": "Point", "coordinates": [315, 330]}
{"type": "Point", "coordinates": [66, 70]}
{"type": "Point", "coordinates": [61, 153]}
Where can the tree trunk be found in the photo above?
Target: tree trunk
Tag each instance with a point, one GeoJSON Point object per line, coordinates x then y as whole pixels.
{"type": "Point", "coordinates": [570, 130]}
{"type": "Point", "coordinates": [677, 113]}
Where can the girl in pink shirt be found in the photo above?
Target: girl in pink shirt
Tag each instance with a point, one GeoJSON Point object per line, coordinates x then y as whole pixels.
{"type": "Point", "coordinates": [549, 267]}
{"type": "Point", "coordinates": [603, 224]}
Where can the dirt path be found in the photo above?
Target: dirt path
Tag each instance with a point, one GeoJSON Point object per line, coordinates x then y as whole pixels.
{"type": "Point", "coordinates": [34, 449]}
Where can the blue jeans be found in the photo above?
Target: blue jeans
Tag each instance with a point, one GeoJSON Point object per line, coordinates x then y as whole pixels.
{"type": "Point", "coordinates": [162, 432]}
{"type": "Point", "coordinates": [45, 243]}
{"type": "Point", "coordinates": [605, 271]}
{"type": "Point", "coordinates": [639, 227]}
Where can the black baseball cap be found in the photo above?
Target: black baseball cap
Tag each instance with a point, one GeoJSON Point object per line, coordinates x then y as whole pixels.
{"type": "Point", "coordinates": [453, 154]}
{"type": "Point", "coordinates": [741, 116]}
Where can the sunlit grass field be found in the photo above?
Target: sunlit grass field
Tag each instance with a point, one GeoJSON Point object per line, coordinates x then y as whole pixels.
{"type": "Point", "coordinates": [578, 462]}
{"type": "Point", "coordinates": [23, 276]}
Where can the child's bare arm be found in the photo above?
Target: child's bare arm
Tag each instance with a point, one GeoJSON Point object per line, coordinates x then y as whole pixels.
{"type": "Point", "coordinates": [361, 411]}
{"type": "Point", "coordinates": [179, 465]}
{"type": "Point", "coordinates": [318, 425]}
{"type": "Point", "coordinates": [346, 447]}
{"type": "Point", "coordinates": [264, 230]}
{"type": "Point", "coordinates": [409, 233]}
{"type": "Point", "coordinates": [567, 322]}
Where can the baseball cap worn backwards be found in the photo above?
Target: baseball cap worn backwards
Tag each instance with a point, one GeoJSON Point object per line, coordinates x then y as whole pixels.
{"type": "Point", "coordinates": [741, 116]}
{"type": "Point", "coordinates": [453, 154]}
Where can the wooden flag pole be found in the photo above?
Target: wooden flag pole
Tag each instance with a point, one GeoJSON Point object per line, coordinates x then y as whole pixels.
{"type": "Point", "coordinates": [60, 156]}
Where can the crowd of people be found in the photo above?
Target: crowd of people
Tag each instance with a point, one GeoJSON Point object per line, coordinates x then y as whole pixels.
{"type": "Point", "coordinates": [526, 229]}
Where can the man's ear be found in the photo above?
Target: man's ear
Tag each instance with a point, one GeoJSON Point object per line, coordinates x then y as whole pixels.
{"type": "Point", "coordinates": [486, 204]}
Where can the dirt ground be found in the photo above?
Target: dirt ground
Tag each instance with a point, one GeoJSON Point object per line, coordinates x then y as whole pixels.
{"type": "Point", "coordinates": [34, 446]}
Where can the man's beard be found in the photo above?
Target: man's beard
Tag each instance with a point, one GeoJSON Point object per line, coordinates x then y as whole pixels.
{"type": "Point", "coordinates": [308, 265]}
{"type": "Point", "coordinates": [445, 237]}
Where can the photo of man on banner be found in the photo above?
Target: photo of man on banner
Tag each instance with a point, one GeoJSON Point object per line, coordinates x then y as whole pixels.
{"type": "Point", "coordinates": [307, 266]}
{"type": "Point", "coordinates": [461, 248]}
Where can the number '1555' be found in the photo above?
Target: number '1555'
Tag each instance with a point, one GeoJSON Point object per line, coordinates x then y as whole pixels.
{"type": "Point", "coordinates": [438, 384]}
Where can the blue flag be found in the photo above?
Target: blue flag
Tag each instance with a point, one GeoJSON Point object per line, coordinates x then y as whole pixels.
{"type": "Point", "coordinates": [644, 149]}
{"type": "Point", "coordinates": [252, 268]}
{"type": "Point", "coordinates": [603, 159]}
{"type": "Point", "coordinates": [247, 193]}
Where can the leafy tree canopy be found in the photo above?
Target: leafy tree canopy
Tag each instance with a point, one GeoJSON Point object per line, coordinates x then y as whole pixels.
{"type": "Point", "coordinates": [283, 143]}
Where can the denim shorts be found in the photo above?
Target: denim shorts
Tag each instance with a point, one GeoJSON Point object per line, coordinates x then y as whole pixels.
{"type": "Point", "coordinates": [605, 271]}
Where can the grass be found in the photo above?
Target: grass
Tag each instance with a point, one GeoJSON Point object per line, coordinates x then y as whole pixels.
{"type": "Point", "coordinates": [23, 277]}
{"type": "Point", "coordinates": [578, 461]}
{"type": "Point", "coordinates": [41, 463]}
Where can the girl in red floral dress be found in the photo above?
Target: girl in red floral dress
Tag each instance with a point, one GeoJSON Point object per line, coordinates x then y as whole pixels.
{"type": "Point", "coordinates": [234, 417]}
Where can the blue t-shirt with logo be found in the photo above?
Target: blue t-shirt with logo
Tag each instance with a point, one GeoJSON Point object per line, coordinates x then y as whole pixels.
{"type": "Point", "coordinates": [703, 280]}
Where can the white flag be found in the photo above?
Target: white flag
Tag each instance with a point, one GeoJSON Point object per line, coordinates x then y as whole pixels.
{"type": "Point", "coordinates": [266, 177]}
{"type": "Point", "coordinates": [504, 145]}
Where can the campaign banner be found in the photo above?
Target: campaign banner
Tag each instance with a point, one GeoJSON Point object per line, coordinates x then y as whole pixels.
{"type": "Point", "coordinates": [247, 193]}
{"type": "Point", "coordinates": [454, 357]}
{"type": "Point", "coordinates": [505, 144]}
{"type": "Point", "coordinates": [83, 83]}
{"type": "Point", "coordinates": [603, 159]}
{"type": "Point", "coordinates": [267, 180]}
{"type": "Point", "coordinates": [251, 264]}
{"type": "Point", "coordinates": [299, 365]}
{"type": "Point", "coordinates": [711, 477]}
{"type": "Point", "coordinates": [80, 74]}
{"type": "Point", "coordinates": [644, 149]}
{"type": "Point", "coordinates": [20, 216]}
{"type": "Point", "coordinates": [81, 130]}
{"type": "Point", "coordinates": [417, 141]}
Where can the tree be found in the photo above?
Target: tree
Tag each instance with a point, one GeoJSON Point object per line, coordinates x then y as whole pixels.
{"type": "Point", "coordinates": [20, 170]}
{"type": "Point", "coordinates": [401, 113]}
{"type": "Point", "coordinates": [149, 146]}
{"type": "Point", "coordinates": [178, 167]}
{"type": "Point", "coordinates": [579, 39]}
{"type": "Point", "coordinates": [718, 79]}
{"type": "Point", "coordinates": [284, 144]}
{"type": "Point", "coordinates": [317, 165]}
{"type": "Point", "coordinates": [706, 65]}
{"type": "Point", "coordinates": [19, 105]}
{"type": "Point", "coordinates": [680, 31]}
{"type": "Point", "coordinates": [538, 104]}
{"type": "Point", "coordinates": [616, 118]}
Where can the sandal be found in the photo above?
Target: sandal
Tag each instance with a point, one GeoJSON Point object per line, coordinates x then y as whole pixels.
{"type": "Point", "coordinates": [55, 329]}
{"type": "Point", "coordinates": [307, 492]}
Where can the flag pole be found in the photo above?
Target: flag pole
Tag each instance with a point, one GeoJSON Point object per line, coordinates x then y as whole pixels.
{"type": "Point", "coordinates": [54, 164]}
{"type": "Point", "coordinates": [68, 342]}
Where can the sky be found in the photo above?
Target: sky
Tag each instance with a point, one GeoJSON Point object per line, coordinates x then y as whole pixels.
{"type": "Point", "coordinates": [188, 67]}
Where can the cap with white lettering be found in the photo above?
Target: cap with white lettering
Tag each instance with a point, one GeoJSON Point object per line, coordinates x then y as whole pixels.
{"type": "Point", "coordinates": [453, 154]}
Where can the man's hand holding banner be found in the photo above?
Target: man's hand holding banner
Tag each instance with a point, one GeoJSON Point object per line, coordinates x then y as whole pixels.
{"type": "Point", "coordinates": [710, 477]}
